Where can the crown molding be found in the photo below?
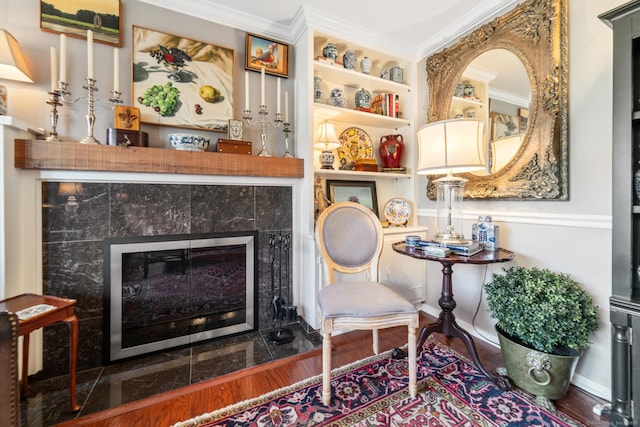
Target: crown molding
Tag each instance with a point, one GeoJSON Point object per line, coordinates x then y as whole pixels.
{"type": "Point", "coordinates": [311, 17]}
{"type": "Point", "coordinates": [464, 25]}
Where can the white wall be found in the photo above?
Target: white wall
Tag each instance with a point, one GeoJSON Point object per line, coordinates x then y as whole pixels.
{"type": "Point", "coordinates": [572, 236]}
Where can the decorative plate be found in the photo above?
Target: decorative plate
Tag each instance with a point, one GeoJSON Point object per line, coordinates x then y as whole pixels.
{"type": "Point", "coordinates": [356, 144]}
{"type": "Point", "coordinates": [397, 211]}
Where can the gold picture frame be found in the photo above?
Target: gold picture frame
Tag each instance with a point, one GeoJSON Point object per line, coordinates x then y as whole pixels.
{"type": "Point", "coordinates": [75, 17]}
{"type": "Point", "coordinates": [272, 55]}
{"type": "Point", "coordinates": [192, 80]}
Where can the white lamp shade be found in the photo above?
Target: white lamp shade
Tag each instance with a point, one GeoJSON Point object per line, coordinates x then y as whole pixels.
{"type": "Point", "coordinates": [12, 63]}
{"type": "Point", "coordinates": [326, 136]}
{"type": "Point", "coordinates": [451, 146]}
{"type": "Point", "coordinates": [503, 150]}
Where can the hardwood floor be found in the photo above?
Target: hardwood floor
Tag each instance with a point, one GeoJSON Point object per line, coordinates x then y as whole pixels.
{"type": "Point", "coordinates": [187, 402]}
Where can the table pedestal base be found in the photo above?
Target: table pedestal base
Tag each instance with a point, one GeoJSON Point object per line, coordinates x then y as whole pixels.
{"type": "Point", "coordinates": [447, 325]}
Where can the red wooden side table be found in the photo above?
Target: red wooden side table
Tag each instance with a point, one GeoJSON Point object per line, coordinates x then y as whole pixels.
{"type": "Point", "coordinates": [36, 311]}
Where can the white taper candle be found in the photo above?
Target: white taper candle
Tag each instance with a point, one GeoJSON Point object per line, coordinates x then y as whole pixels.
{"type": "Point", "coordinates": [286, 106]}
{"type": "Point", "coordinates": [116, 69]}
{"type": "Point", "coordinates": [262, 86]}
{"type": "Point", "coordinates": [63, 58]}
{"type": "Point", "coordinates": [278, 96]}
{"type": "Point", "coordinates": [246, 90]}
{"type": "Point", "coordinates": [54, 68]}
{"type": "Point", "coordinates": [90, 54]}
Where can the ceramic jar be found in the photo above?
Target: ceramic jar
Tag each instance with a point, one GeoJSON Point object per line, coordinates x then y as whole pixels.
{"type": "Point", "coordinates": [363, 99]}
{"type": "Point", "coordinates": [365, 65]}
{"type": "Point", "coordinates": [397, 74]}
{"type": "Point", "coordinates": [330, 51]}
{"type": "Point", "coordinates": [317, 89]}
{"type": "Point", "coordinates": [469, 90]}
{"type": "Point", "coordinates": [391, 150]}
{"type": "Point", "coordinates": [337, 98]}
{"type": "Point", "coordinates": [350, 60]}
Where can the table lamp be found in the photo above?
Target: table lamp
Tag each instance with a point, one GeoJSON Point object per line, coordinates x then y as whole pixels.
{"type": "Point", "coordinates": [12, 65]}
{"type": "Point", "coordinates": [327, 141]}
{"type": "Point", "coordinates": [450, 146]}
{"type": "Point", "coordinates": [503, 149]}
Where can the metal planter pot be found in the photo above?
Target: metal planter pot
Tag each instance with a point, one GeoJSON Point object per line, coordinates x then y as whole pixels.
{"type": "Point", "coordinates": [546, 375]}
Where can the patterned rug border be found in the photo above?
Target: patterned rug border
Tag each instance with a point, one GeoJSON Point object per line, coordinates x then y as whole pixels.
{"type": "Point", "coordinates": [245, 404]}
{"type": "Point", "coordinates": [238, 407]}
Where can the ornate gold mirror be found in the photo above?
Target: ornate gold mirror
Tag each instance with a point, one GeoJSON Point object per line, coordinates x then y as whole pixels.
{"type": "Point", "coordinates": [459, 78]}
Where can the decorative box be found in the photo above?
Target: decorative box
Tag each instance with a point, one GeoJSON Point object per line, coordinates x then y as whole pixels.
{"type": "Point", "coordinates": [127, 137]}
{"type": "Point", "coordinates": [397, 74]}
{"type": "Point", "coordinates": [233, 146]}
{"type": "Point", "coordinates": [366, 165]}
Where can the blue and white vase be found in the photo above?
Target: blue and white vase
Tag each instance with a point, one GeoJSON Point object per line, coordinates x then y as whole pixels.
{"type": "Point", "coordinates": [365, 65]}
{"type": "Point", "coordinates": [363, 99]}
{"type": "Point", "coordinates": [337, 98]}
{"type": "Point", "coordinates": [350, 60]}
{"type": "Point", "coordinates": [330, 51]}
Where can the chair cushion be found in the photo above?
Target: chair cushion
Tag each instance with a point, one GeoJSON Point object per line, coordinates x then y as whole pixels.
{"type": "Point", "coordinates": [361, 299]}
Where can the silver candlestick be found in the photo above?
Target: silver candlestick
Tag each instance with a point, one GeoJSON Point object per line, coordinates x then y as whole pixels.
{"type": "Point", "coordinates": [54, 101]}
{"type": "Point", "coordinates": [115, 98]}
{"type": "Point", "coordinates": [263, 125]}
{"type": "Point", "coordinates": [286, 129]}
{"type": "Point", "coordinates": [91, 118]}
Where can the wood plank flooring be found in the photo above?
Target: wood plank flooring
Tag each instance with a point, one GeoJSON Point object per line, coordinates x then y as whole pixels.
{"type": "Point", "coordinates": [184, 403]}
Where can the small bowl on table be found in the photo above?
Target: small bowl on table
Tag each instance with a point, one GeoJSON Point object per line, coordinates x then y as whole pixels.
{"type": "Point", "coordinates": [188, 142]}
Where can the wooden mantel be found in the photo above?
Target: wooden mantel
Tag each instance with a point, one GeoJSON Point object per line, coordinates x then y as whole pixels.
{"type": "Point", "coordinates": [39, 154]}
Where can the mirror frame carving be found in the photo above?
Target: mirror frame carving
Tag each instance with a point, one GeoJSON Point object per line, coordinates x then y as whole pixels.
{"type": "Point", "coordinates": [536, 32]}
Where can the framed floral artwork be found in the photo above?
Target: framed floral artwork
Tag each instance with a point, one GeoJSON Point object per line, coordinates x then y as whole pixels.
{"type": "Point", "coordinates": [181, 82]}
{"type": "Point", "coordinates": [75, 17]}
{"type": "Point", "coordinates": [269, 54]}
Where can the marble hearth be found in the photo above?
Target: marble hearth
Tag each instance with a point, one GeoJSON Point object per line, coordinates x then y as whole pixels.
{"type": "Point", "coordinates": [72, 242]}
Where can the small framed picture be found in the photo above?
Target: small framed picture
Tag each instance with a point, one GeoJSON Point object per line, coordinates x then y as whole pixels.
{"type": "Point", "coordinates": [363, 192]}
{"type": "Point", "coordinates": [269, 54]}
{"type": "Point", "coordinates": [235, 129]}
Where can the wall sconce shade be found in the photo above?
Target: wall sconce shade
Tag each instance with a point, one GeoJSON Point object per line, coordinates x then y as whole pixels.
{"type": "Point", "coordinates": [13, 66]}
{"type": "Point", "coordinates": [450, 146]}
{"type": "Point", "coordinates": [326, 140]}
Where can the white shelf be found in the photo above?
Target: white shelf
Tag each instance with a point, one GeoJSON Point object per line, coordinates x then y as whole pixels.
{"type": "Point", "coordinates": [357, 79]}
{"type": "Point", "coordinates": [358, 175]}
{"type": "Point", "coordinates": [323, 112]}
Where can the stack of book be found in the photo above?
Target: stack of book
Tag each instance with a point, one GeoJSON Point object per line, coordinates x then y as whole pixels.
{"type": "Point", "coordinates": [467, 248]}
{"type": "Point", "coordinates": [386, 104]}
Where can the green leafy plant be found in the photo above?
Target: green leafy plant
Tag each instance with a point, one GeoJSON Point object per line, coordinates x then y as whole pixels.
{"type": "Point", "coordinates": [548, 311]}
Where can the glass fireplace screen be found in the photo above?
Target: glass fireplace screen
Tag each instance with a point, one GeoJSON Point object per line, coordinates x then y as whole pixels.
{"type": "Point", "coordinates": [168, 291]}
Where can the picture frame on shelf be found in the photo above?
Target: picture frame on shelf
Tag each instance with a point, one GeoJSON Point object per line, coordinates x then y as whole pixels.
{"type": "Point", "coordinates": [363, 192]}
{"type": "Point", "coordinates": [75, 17]}
{"type": "Point", "coordinates": [236, 128]}
{"type": "Point", "coordinates": [503, 125]}
{"type": "Point", "coordinates": [272, 55]}
{"type": "Point", "coordinates": [194, 80]}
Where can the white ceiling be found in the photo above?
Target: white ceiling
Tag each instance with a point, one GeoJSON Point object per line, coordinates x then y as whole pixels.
{"type": "Point", "coordinates": [410, 28]}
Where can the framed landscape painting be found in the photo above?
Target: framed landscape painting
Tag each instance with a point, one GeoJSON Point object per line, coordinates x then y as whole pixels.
{"type": "Point", "coordinates": [75, 17]}
{"type": "Point", "coordinates": [181, 82]}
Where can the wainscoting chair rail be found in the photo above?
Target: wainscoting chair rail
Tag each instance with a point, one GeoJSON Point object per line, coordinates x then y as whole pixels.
{"type": "Point", "coordinates": [39, 154]}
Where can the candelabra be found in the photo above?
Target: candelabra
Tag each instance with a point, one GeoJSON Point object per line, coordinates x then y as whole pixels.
{"type": "Point", "coordinates": [287, 130]}
{"type": "Point", "coordinates": [54, 101]}
{"type": "Point", "coordinates": [263, 125]}
{"type": "Point", "coordinates": [90, 87]}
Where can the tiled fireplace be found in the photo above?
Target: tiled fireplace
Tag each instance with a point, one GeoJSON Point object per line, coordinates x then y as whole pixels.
{"type": "Point", "coordinates": [72, 243]}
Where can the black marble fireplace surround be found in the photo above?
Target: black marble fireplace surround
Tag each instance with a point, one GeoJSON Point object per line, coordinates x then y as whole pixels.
{"type": "Point", "coordinates": [72, 244]}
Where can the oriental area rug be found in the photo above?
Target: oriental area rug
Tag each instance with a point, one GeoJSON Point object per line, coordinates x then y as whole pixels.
{"type": "Point", "coordinates": [373, 392]}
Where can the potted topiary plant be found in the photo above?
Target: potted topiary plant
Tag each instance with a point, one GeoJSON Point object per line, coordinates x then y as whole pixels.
{"type": "Point", "coordinates": [544, 321]}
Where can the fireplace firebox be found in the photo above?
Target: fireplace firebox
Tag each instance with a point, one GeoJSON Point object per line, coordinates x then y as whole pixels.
{"type": "Point", "coordinates": [168, 291]}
